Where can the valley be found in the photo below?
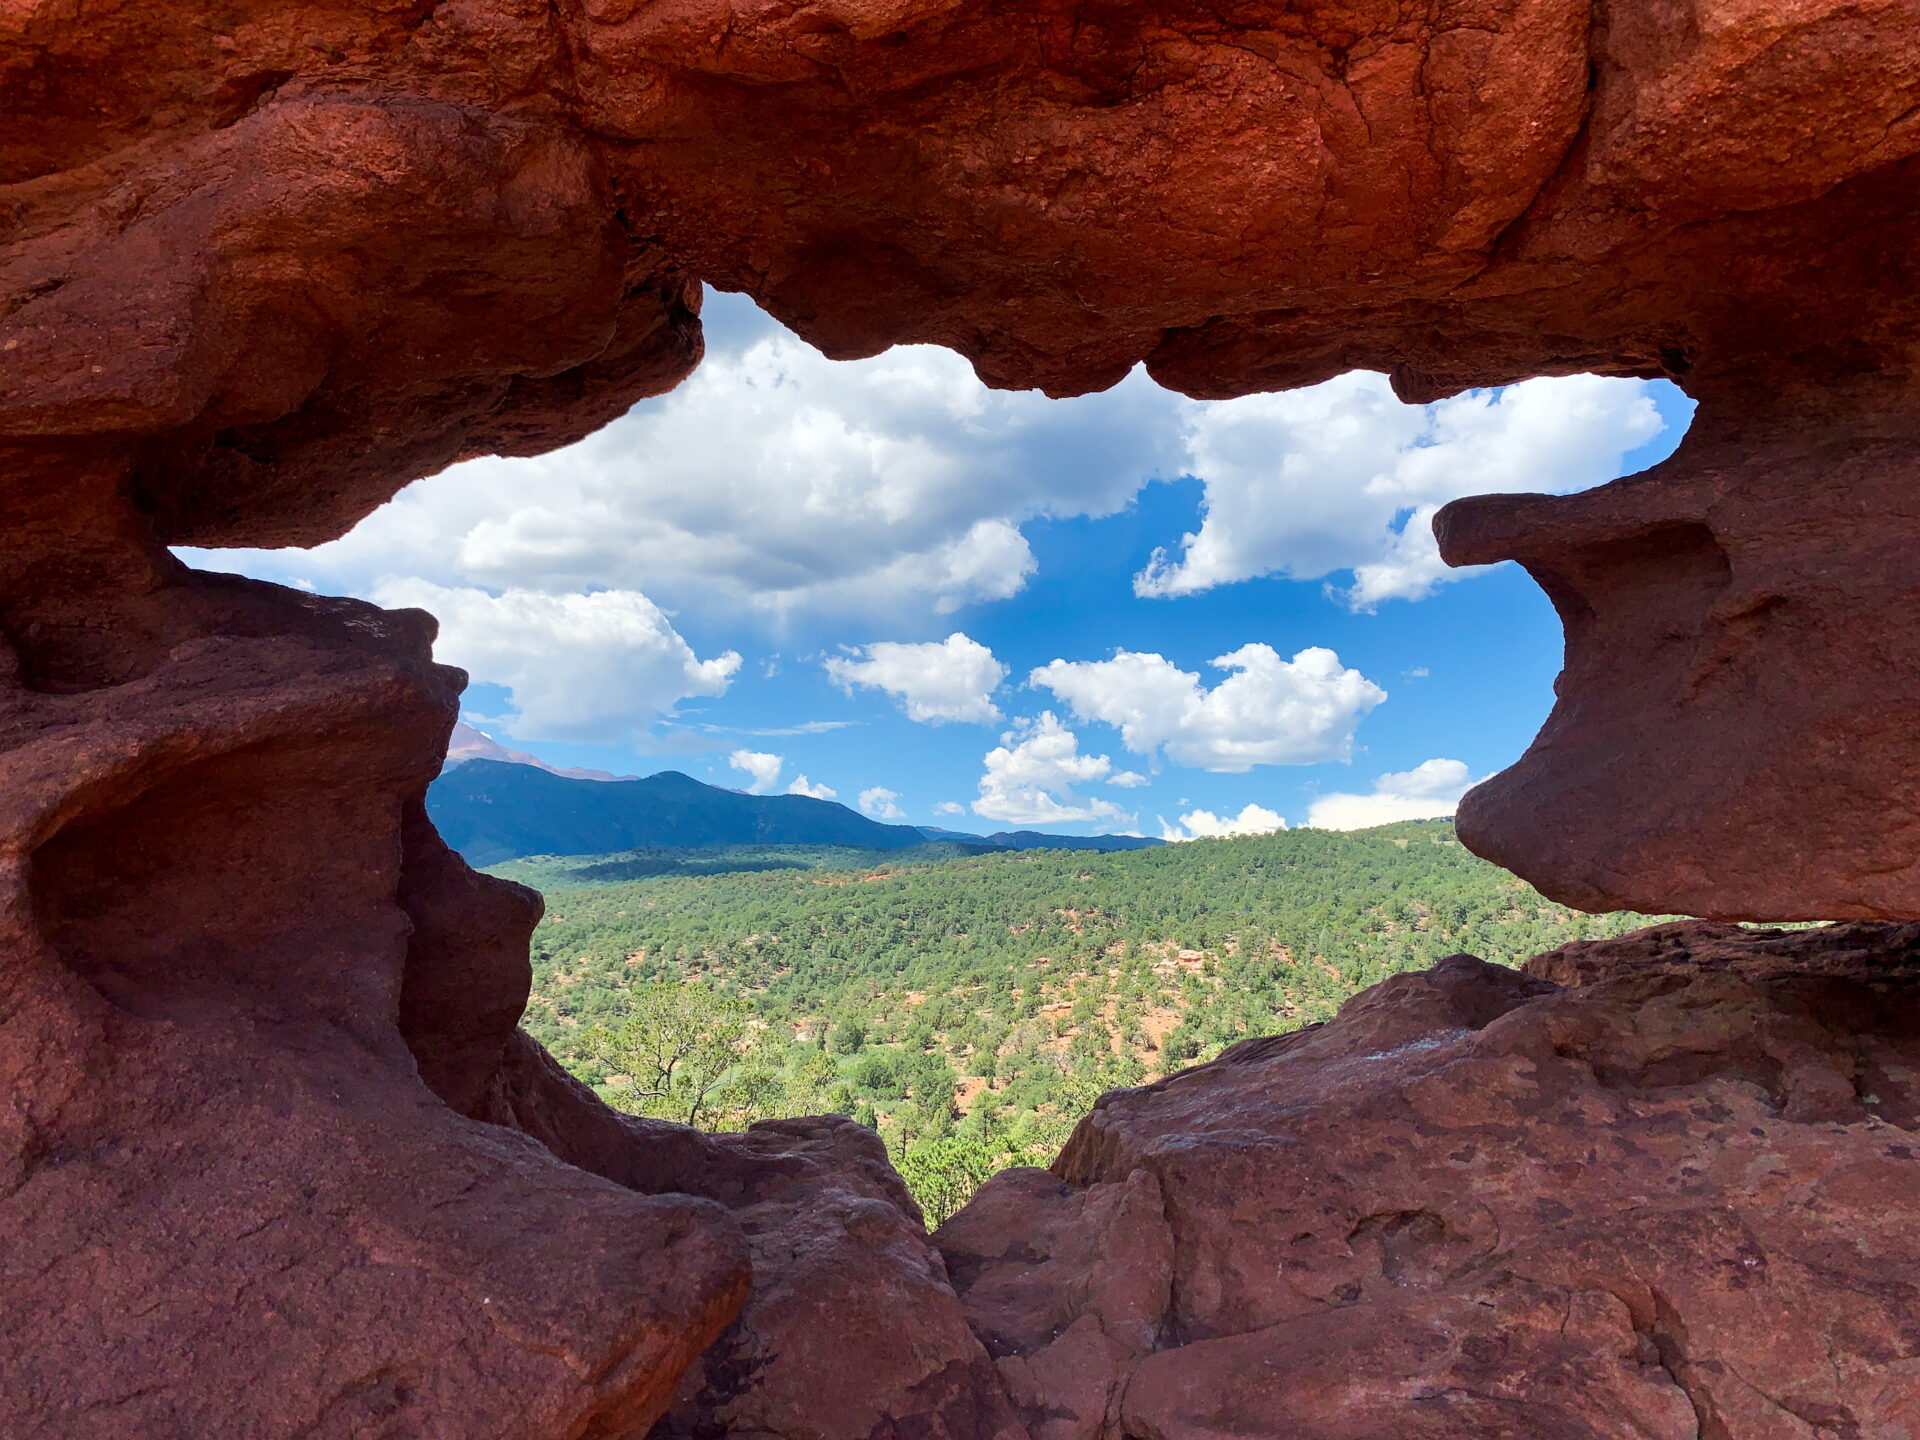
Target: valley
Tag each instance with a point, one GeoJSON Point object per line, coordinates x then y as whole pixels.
{"type": "Point", "coordinates": [970, 1007]}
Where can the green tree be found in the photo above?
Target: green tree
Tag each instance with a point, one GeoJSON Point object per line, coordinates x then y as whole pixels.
{"type": "Point", "coordinates": [943, 1173]}
{"type": "Point", "coordinates": [811, 1083]}
{"type": "Point", "coordinates": [673, 1053]}
{"type": "Point", "coordinates": [1180, 1046]}
{"type": "Point", "coordinates": [752, 1091]}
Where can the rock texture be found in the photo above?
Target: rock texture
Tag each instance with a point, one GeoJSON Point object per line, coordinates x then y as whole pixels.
{"type": "Point", "coordinates": [852, 1330]}
{"type": "Point", "coordinates": [1733, 735]}
{"type": "Point", "coordinates": [1262, 196]}
{"type": "Point", "coordinates": [233, 1203]}
{"type": "Point", "coordinates": [1661, 1187]}
{"type": "Point", "coordinates": [276, 260]}
{"type": "Point", "coordinates": [273, 1161]}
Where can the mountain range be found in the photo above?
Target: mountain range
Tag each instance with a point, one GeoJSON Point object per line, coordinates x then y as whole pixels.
{"type": "Point", "coordinates": [494, 804]}
{"type": "Point", "coordinates": [468, 743]}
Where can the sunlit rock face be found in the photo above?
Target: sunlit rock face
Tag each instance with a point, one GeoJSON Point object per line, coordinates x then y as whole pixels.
{"type": "Point", "coordinates": [273, 1160]}
{"type": "Point", "coordinates": [1660, 1187]}
{"type": "Point", "coordinates": [1734, 734]}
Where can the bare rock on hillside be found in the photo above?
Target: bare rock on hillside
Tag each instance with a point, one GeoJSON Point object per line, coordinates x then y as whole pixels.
{"type": "Point", "coordinates": [1676, 1200]}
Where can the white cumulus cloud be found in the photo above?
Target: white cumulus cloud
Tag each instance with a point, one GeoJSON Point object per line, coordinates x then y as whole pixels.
{"type": "Point", "coordinates": [879, 803]}
{"type": "Point", "coordinates": [802, 786]}
{"type": "Point", "coordinates": [1268, 711]}
{"type": "Point", "coordinates": [762, 769]}
{"type": "Point", "coordinates": [949, 807]}
{"type": "Point", "coordinates": [773, 482]}
{"type": "Point", "coordinates": [586, 667]}
{"type": "Point", "coordinates": [1343, 476]}
{"type": "Point", "coordinates": [1030, 777]}
{"type": "Point", "coordinates": [935, 681]}
{"type": "Point", "coordinates": [1128, 779]}
{"type": "Point", "coordinates": [1204, 824]}
{"type": "Point", "coordinates": [1426, 792]}
{"type": "Point", "coordinates": [777, 487]}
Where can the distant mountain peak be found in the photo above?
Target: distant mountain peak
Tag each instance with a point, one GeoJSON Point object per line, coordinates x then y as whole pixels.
{"type": "Point", "coordinates": [492, 807]}
{"type": "Point", "coordinates": [491, 810]}
{"type": "Point", "coordinates": [468, 742]}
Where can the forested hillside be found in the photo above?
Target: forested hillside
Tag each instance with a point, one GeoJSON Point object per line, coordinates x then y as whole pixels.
{"type": "Point", "coordinates": [972, 1008]}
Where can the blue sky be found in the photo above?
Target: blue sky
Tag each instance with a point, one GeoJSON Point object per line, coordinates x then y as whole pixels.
{"type": "Point", "coordinates": [702, 586]}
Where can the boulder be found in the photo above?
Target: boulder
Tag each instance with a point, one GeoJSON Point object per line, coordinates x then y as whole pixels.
{"type": "Point", "coordinates": [1662, 1186]}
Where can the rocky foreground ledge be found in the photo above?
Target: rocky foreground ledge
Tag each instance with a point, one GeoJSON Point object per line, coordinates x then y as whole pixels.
{"type": "Point", "coordinates": [1663, 1186]}
{"type": "Point", "coordinates": [1660, 1186]}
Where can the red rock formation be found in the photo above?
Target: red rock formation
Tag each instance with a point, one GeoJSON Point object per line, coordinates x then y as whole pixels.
{"type": "Point", "coordinates": [1673, 1200]}
{"type": "Point", "coordinates": [275, 1162]}
{"type": "Point", "coordinates": [287, 257]}
{"type": "Point", "coordinates": [232, 1206]}
{"type": "Point", "coordinates": [1734, 735]}
{"type": "Point", "coordinates": [852, 1329]}
{"type": "Point", "coordinates": [1460, 193]}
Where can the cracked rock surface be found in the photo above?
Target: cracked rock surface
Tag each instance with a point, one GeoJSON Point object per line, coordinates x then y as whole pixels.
{"type": "Point", "coordinates": [1656, 1187]}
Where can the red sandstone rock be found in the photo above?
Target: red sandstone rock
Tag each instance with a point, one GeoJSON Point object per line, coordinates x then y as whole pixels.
{"type": "Point", "coordinates": [282, 319]}
{"type": "Point", "coordinates": [852, 1329]}
{"type": "Point", "coordinates": [1734, 734]}
{"type": "Point", "coordinates": [1687, 947]}
{"type": "Point", "coordinates": [1462, 192]}
{"type": "Point", "coordinates": [1676, 1201]}
{"type": "Point", "coordinates": [1466, 193]}
{"type": "Point", "coordinates": [279, 262]}
{"type": "Point", "coordinates": [231, 1205]}
{"type": "Point", "coordinates": [262, 265]}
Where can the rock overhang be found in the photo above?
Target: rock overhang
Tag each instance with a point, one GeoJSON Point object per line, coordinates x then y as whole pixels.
{"type": "Point", "coordinates": [261, 268]}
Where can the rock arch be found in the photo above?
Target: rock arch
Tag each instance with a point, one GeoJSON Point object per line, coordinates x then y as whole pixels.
{"type": "Point", "coordinates": [261, 264]}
